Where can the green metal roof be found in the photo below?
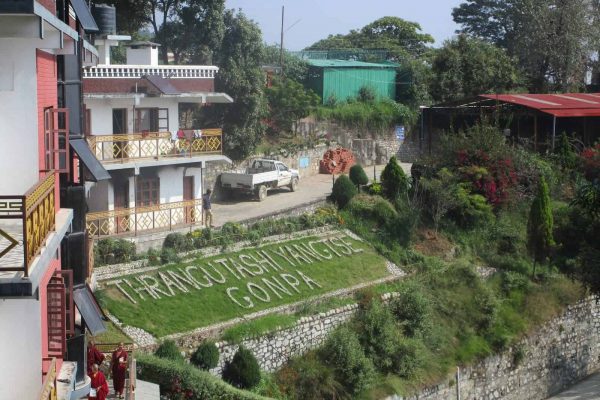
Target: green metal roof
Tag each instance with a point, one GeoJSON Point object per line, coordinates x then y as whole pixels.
{"type": "Point", "coordinates": [347, 64]}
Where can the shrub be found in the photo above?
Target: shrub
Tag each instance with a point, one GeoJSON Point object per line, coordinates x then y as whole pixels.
{"type": "Point", "coordinates": [394, 180]}
{"type": "Point", "coordinates": [114, 251]}
{"type": "Point", "coordinates": [470, 210]}
{"type": "Point", "coordinates": [343, 352]}
{"type": "Point", "coordinates": [169, 350]}
{"type": "Point", "coordinates": [178, 242]}
{"type": "Point", "coordinates": [514, 281]}
{"type": "Point", "coordinates": [168, 255]}
{"type": "Point", "coordinates": [376, 189]}
{"type": "Point", "coordinates": [307, 378]}
{"type": "Point", "coordinates": [378, 335]}
{"type": "Point", "coordinates": [412, 309]}
{"type": "Point", "coordinates": [232, 229]}
{"type": "Point", "coordinates": [565, 153]}
{"type": "Point", "coordinates": [343, 191]}
{"type": "Point", "coordinates": [176, 378]}
{"type": "Point", "coordinates": [206, 356]}
{"type": "Point", "coordinates": [243, 370]}
{"type": "Point", "coordinates": [358, 176]}
{"type": "Point", "coordinates": [409, 357]}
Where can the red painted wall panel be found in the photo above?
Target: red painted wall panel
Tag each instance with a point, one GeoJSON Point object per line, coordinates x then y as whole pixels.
{"type": "Point", "coordinates": [49, 4]}
{"type": "Point", "coordinates": [47, 96]}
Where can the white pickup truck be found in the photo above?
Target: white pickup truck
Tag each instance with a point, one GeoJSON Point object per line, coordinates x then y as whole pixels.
{"type": "Point", "coordinates": [261, 176]}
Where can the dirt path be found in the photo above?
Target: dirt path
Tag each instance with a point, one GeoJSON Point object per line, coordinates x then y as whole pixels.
{"type": "Point", "coordinates": [311, 189]}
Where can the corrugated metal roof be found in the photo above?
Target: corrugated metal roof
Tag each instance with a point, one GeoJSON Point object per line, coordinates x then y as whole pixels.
{"type": "Point", "coordinates": [85, 16]}
{"type": "Point", "coordinates": [347, 64]}
{"type": "Point", "coordinates": [559, 105]}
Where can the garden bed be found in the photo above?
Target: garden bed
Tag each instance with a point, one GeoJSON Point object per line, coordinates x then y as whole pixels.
{"type": "Point", "coordinates": [207, 290]}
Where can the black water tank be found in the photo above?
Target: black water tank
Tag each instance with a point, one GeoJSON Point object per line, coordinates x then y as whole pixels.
{"type": "Point", "coordinates": [106, 19]}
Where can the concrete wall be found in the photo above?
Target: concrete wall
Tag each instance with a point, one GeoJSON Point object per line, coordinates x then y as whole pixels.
{"type": "Point", "coordinates": [18, 116]}
{"type": "Point", "coordinates": [101, 111]}
{"type": "Point", "coordinates": [20, 378]}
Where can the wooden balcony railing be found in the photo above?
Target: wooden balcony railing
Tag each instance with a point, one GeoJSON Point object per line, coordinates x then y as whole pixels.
{"type": "Point", "coordinates": [128, 147]}
{"type": "Point", "coordinates": [33, 217]}
{"type": "Point", "coordinates": [133, 221]}
{"type": "Point", "coordinates": [49, 387]}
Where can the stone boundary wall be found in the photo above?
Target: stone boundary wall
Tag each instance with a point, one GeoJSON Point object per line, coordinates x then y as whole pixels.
{"type": "Point", "coordinates": [559, 354]}
{"type": "Point", "coordinates": [275, 348]}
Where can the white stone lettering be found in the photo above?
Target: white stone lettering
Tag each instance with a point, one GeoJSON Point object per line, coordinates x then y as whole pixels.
{"type": "Point", "coordinates": [249, 303]}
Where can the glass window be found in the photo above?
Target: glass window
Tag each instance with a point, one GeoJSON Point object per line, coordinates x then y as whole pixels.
{"type": "Point", "coordinates": [147, 192]}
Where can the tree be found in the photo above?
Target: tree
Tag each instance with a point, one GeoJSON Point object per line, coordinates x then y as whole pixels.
{"type": "Point", "coordinates": [289, 101]}
{"type": "Point", "coordinates": [402, 39]}
{"type": "Point", "coordinates": [169, 350]}
{"type": "Point", "coordinates": [553, 40]}
{"type": "Point", "coordinates": [440, 194]}
{"type": "Point", "coordinates": [358, 176]}
{"type": "Point", "coordinates": [206, 356]}
{"type": "Point", "coordinates": [294, 67]}
{"type": "Point", "coordinates": [394, 180]}
{"type": "Point", "coordinates": [540, 225]}
{"type": "Point", "coordinates": [466, 67]}
{"type": "Point", "coordinates": [565, 153]}
{"type": "Point", "coordinates": [240, 76]}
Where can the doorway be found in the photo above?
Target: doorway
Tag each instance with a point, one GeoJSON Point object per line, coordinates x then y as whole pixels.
{"type": "Point", "coordinates": [188, 194]}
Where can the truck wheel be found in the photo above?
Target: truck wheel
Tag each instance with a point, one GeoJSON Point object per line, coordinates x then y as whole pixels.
{"type": "Point", "coordinates": [294, 184]}
{"type": "Point", "coordinates": [262, 192]}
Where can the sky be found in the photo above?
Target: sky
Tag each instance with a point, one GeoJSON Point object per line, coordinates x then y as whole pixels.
{"type": "Point", "coordinates": [313, 20]}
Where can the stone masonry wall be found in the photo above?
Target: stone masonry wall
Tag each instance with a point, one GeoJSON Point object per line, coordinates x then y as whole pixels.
{"type": "Point", "coordinates": [559, 354]}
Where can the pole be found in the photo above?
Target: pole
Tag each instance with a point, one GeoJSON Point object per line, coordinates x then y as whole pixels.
{"type": "Point", "coordinates": [457, 383]}
{"type": "Point", "coordinates": [553, 131]}
{"type": "Point", "coordinates": [374, 172]}
{"type": "Point", "coordinates": [281, 44]}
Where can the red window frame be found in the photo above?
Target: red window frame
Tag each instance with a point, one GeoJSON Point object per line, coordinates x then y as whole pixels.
{"type": "Point", "coordinates": [147, 192]}
{"type": "Point", "coordinates": [56, 140]}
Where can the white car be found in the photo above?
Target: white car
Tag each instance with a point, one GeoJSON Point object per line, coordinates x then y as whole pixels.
{"type": "Point", "coordinates": [261, 176]}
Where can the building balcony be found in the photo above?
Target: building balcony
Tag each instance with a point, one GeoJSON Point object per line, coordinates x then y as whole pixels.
{"type": "Point", "coordinates": [143, 220]}
{"type": "Point", "coordinates": [139, 71]}
{"type": "Point", "coordinates": [31, 229]}
{"type": "Point", "coordinates": [128, 148]}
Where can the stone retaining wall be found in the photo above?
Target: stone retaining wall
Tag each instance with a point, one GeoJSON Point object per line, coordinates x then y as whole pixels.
{"type": "Point", "coordinates": [559, 354]}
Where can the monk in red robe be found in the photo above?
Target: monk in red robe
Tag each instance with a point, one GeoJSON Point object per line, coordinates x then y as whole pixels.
{"type": "Point", "coordinates": [99, 386]}
{"type": "Point", "coordinates": [94, 356]}
{"type": "Point", "coordinates": [119, 370]}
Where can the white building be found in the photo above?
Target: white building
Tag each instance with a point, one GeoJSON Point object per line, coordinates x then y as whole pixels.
{"type": "Point", "coordinates": [138, 126]}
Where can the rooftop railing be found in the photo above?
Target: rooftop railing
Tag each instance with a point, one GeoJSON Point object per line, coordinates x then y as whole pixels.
{"type": "Point", "coordinates": [138, 71]}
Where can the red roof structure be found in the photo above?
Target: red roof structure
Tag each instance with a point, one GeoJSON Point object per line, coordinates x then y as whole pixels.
{"type": "Point", "coordinates": [558, 105]}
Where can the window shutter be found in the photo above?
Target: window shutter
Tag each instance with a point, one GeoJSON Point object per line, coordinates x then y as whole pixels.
{"type": "Point", "coordinates": [55, 293]}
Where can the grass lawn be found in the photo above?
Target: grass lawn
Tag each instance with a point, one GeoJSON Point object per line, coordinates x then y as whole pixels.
{"type": "Point", "coordinates": [176, 311]}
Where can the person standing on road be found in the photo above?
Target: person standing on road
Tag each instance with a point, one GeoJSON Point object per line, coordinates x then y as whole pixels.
{"type": "Point", "coordinates": [207, 209]}
{"type": "Point", "coordinates": [98, 384]}
{"type": "Point", "coordinates": [93, 356]}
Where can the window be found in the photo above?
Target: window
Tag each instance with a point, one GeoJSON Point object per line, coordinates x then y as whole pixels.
{"type": "Point", "coordinates": [151, 120]}
{"type": "Point", "coordinates": [56, 140]}
{"type": "Point", "coordinates": [147, 192]}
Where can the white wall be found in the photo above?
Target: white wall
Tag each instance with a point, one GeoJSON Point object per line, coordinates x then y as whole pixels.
{"type": "Point", "coordinates": [21, 349]}
{"type": "Point", "coordinates": [19, 164]}
{"type": "Point", "coordinates": [142, 56]}
{"type": "Point", "coordinates": [101, 110]}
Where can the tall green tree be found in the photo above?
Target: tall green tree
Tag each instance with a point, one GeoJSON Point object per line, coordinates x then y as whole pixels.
{"type": "Point", "coordinates": [289, 101]}
{"type": "Point", "coordinates": [540, 225]}
{"type": "Point", "coordinates": [393, 180]}
{"type": "Point", "coordinates": [402, 39]}
{"type": "Point", "coordinates": [467, 67]}
{"type": "Point", "coordinates": [553, 40]}
{"type": "Point", "coordinates": [240, 76]}
{"type": "Point", "coordinates": [294, 67]}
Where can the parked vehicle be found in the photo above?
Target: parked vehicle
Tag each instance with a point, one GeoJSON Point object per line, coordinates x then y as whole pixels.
{"type": "Point", "coordinates": [260, 177]}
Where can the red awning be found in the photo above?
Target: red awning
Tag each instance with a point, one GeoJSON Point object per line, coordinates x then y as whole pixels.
{"type": "Point", "coordinates": [560, 105]}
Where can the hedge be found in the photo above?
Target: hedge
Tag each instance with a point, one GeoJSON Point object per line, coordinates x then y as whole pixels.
{"type": "Point", "coordinates": [199, 384]}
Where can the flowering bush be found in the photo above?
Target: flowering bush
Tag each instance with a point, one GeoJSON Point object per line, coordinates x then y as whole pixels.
{"type": "Point", "coordinates": [590, 162]}
{"type": "Point", "coordinates": [492, 178]}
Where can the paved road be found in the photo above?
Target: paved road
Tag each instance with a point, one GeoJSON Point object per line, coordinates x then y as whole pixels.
{"type": "Point", "coordinates": [310, 189]}
{"type": "Point", "coordinates": [588, 389]}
